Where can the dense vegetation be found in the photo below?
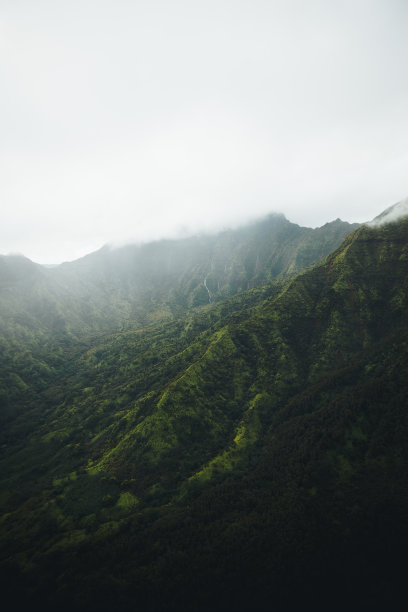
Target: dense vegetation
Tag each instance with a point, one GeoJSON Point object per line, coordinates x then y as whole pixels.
{"type": "Point", "coordinates": [163, 452]}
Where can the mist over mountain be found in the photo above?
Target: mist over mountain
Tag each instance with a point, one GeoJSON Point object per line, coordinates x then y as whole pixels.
{"type": "Point", "coordinates": [210, 423]}
{"type": "Point", "coordinates": [138, 284]}
{"type": "Point", "coordinates": [393, 213]}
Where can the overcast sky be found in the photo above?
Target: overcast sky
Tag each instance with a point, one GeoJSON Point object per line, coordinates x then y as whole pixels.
{"type": "Point", "coordinates": [138, 119]}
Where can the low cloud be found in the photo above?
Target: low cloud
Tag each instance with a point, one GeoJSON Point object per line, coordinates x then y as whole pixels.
{"type": "Point", "coordinates": [392, 214]}
{"type": "Point", "coordinates": [130, 120]}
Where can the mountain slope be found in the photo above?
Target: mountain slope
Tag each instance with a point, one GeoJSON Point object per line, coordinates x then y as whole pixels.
{"type": "Point", "coordinates": [47, 314]}
{"type": "Point", "coordinates": [132, 286]}
{"type": "Point", "coordinates": [253, 451]}
{"type": "Point", "coordinates": [164, 278]}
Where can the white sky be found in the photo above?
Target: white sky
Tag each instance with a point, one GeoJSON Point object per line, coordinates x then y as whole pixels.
{"type": "Point", "coordinates": [137, 119]}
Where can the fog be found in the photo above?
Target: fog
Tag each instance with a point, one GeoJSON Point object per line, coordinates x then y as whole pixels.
{"type": "Point", "coordinates": [391, 214]}
{"type": "Point", "coordinates": [140, 119]}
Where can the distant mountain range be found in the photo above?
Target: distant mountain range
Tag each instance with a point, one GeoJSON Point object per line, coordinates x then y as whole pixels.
{"type": "Point", "coordinates": [213, 423]}
{"type": "Point", "coordinates": [139, 284]}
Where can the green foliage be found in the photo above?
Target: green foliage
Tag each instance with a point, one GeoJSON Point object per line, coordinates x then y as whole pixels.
{"type": "Point", "coordinates": [163, 450]}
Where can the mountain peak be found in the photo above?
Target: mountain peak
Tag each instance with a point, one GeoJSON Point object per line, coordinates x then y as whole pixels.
{"type": "Point", "coordinates": [393, 213]}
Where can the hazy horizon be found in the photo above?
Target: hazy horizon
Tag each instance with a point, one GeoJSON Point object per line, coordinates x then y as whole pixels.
{"type": "Point", "coordinates": [140, 120]}
{"type": "Point", "coordinates": [176, 234]}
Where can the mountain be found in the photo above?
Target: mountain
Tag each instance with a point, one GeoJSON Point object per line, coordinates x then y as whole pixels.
{"type": "Point", "coordinates": [248, 452]}
{"type": "Point", "coordinates": [48, 313]}
{"type": "Point", "coordinates": [392, 214]}
{"type": "Point", "coordinates": [136, 285]}
{"type": "Point", "coordinates": [159, 280]}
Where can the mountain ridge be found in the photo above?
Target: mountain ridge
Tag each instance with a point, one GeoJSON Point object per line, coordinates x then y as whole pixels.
{"type": "Point", "coordinates": [249, 450]}
{"type": "Point", "coordinates": [169, 276]}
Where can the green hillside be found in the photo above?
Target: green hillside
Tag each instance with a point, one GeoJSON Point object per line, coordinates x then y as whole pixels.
{"type": "Point", "coordinates": [141, 284]}
{"type": "Point", "coordinates": [47, 315]}
{"type": "Point", "coordinates": [248, 452]}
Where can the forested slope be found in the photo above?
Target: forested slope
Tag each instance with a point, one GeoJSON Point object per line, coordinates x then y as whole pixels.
{"type": "Point", "coordinates": [49, 314]}
{"type": "Point", "coordinates": [140, 284]}
{"type": "Point", "coordinates": [251, 453]}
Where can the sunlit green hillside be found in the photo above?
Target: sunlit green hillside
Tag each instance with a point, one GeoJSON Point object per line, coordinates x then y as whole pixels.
{"type": "Point", "coordinates": [228, 454]}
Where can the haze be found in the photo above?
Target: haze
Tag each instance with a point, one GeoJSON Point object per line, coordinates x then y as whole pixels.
{"type": "Point", "coordinates": [139, 119]}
